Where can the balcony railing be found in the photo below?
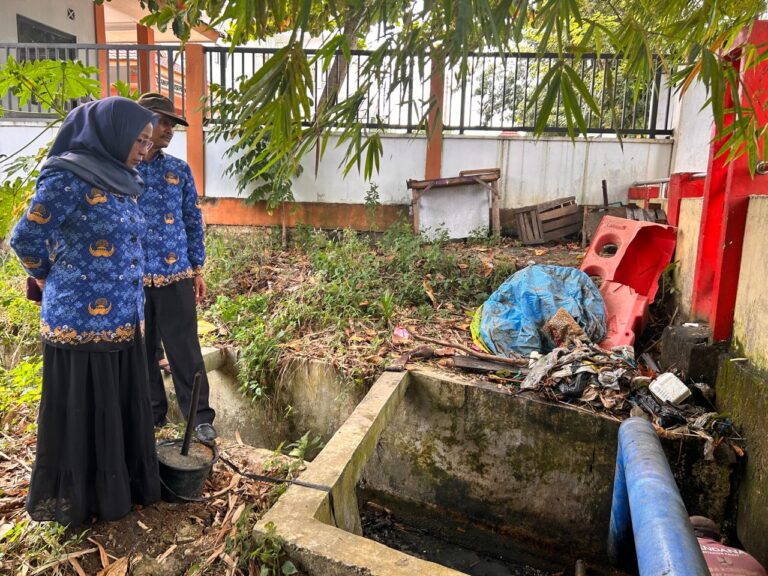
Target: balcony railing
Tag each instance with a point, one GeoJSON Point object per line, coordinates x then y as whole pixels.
{"type": "Point", "coordinates": [159, 68]}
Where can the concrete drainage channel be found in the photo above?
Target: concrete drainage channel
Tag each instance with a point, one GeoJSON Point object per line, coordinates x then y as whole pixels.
{"type": "Point", "coordinates": [524, 485]}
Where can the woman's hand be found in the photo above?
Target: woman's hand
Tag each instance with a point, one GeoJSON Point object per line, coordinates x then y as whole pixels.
{"type": "Point", "coordinates": [200, 289]}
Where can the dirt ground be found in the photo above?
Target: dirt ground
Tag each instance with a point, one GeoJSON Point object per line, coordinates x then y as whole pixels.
{"type": "Point", "coordinates": [167, 539]}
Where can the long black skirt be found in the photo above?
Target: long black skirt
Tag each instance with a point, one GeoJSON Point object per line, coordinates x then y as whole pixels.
{"type": "Point", "coordinates": [95, 438]}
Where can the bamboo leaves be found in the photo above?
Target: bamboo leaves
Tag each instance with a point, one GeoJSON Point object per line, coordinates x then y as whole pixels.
{"type": "Point", "coordinates": [635, 44]}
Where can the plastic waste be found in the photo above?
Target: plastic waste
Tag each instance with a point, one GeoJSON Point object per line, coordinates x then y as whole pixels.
{"type": "Point", "coordinates": [668, 416]}
{"type": "Point", "coordinates": [575, 388]}
{"type": "Point", "coordinates": [513, 316]}
{"type": "Point", "coordinates": [610, 378]}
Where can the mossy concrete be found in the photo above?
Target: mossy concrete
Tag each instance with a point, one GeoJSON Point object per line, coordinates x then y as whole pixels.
{"type": "Point", "coordinates": [309, 396]}
{"type": "Point", "coordinates": [742, 392]}
{"type": "Point", "coordinates": [325, 544]}
{"type": "Point", "coordinates": [750, 315]}
{"type": "Point", "coordinates": [522, 467]}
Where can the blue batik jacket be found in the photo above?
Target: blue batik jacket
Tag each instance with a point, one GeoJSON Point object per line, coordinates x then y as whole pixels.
{"type": "Point", "coordinates": [173, 247]}
{"type": "Point", "coordinates": [86, 244]}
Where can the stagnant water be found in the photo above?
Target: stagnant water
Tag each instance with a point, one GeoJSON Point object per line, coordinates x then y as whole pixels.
{"type": "Point", "coordinates": [460, 546]}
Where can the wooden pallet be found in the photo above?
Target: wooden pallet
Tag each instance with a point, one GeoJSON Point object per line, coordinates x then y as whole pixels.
{"type": "Point", "coordinates": [548, 221]}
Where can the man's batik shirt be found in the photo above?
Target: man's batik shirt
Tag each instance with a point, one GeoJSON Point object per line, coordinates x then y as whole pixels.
{"type": "Point", "coordinates": [173, 246]}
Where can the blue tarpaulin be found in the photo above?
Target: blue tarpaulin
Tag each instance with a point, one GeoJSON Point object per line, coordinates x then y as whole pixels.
{"type": "Point", "coordinates": [514, 314]}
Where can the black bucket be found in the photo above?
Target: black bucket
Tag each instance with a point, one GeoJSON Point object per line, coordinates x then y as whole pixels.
{"type": "Point", "coordinates": [183, 481]}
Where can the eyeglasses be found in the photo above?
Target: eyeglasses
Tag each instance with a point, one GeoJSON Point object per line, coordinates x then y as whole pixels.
{"type": "Point", "coordinates": [145, 144]}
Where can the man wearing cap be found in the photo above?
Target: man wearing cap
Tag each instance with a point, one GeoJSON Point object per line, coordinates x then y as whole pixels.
{"type": "Point", "coordinates": [173, 284]}
{"type": "Point", "coordinates": [722, 560]}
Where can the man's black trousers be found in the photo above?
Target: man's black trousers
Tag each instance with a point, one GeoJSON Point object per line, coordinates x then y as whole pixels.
{"type": "Point", "coordinates": [170, 317]}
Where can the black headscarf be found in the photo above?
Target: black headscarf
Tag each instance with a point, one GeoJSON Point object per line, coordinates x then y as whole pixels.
{"type": "Point", "coordinates": [94, 142]}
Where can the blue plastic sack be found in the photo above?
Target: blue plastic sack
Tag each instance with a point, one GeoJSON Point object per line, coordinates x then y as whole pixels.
{"type": "Point", "coordinates": [514, 314]}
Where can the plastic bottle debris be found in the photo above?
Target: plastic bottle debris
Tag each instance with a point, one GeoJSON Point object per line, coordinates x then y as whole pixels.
{"type": "Point", "coordinates": [667, 415]}
{"type": "Point", "coordinates": [669, 388]}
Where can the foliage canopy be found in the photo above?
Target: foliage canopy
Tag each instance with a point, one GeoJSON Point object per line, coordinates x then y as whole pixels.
{"type": "Point", "coordinates": [690, 40]}
{"type": "Point", "coordinates": [54, 85]}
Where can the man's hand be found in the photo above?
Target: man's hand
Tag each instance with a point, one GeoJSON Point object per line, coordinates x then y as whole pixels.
{"type": "Point", "coordinates": [200, 289]}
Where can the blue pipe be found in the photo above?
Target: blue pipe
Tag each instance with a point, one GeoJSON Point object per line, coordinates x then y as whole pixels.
{"type": "Point", "coordinates": [649, 522]}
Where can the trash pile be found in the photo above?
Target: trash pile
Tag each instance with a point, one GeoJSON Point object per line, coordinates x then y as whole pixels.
{"type": "Point", "coordinates": [613, 381]}
{"type": "Point", "coordinates": [550, 330]}
{"type": "Point", "coordinates": [524, 314]}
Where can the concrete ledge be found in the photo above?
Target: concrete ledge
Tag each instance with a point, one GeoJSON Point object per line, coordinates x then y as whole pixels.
{"type": "Point", "coordinates": [302, 516]}
{"type": "Point", "coordinates": [319, 397]}
{"type": "Point", "coordinates": [215, 358]}
{"type": "Point", "coordinates": [742, 391]}
{"type": "Point", "coordinates": [687, 349]}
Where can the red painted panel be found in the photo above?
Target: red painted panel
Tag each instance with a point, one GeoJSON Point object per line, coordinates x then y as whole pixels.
{"type": "Point", "coordinates": [682, 185]}
{"type": "Point", "coordinates": [726, 200]}
{"type": "Point", "coordinates": [644, 193]}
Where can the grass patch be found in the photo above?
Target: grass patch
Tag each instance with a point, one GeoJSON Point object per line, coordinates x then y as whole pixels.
{"type": "Point", "coordinates": [342, 291]}
{"type": "Point", "coordinates": [21, 367]}
{"type": "Point", "coordinates": [19, 318]}
{"type": "Point", "coordinates": [30, 545]}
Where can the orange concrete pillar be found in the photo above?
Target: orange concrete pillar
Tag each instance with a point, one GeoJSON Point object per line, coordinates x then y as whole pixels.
{"type": "Point", "coordinates": [434, 161]}
{"type": "Point", "coordinates": [195, 75]}
{"type": "Point", "coordinates": [146, 58]}
{"type": "Point", "coordinates": [101, 38]}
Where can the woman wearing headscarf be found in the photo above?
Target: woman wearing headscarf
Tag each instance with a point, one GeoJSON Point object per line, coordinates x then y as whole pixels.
{"type": "Point", "coordinates": [80, 239]}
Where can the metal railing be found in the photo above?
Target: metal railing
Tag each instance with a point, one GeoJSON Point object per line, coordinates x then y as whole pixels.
{"type": "Point", "coordinates": [494, 96]}
{"type": "Point", "coordinates": [401, 111]}
{"type": "Point", "coordinates": [157, 68]}
{"type": "Point", "coordinates": [497, 95]}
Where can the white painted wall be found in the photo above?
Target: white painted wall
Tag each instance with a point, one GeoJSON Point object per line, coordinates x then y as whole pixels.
{"type": "Point", "coordinates": [693, 131]}
{"type": "Point", "coordinates": [536, 171]}
{"type": "Point", "coordinates": [178, 146]}
{"type": "Point", "coordinates": [403, 158]}
{"type": "Point", "coordinates": [52, 13]}
{"type": "Point", "coordinates": [15, 134]}
{"type": "Point", "coordinates": [532, 171]}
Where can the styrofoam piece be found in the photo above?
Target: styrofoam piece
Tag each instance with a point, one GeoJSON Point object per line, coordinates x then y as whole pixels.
{"type": "Point", "coordinates": [669, 388]}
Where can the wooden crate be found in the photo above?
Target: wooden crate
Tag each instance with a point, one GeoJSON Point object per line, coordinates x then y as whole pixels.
{"type": "Point", "coordinates": [548, 221]}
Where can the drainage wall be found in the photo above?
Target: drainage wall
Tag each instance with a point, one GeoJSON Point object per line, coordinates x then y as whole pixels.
{"type": "Point", "coordinates": [308, 396]}
{"type": "Point", "coordinates": [742, 386]}
{"type": "Point", "coordinates": [520, 466]}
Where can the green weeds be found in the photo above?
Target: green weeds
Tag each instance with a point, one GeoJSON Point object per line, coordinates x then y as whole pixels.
{"type": "Point", "coordinates": [20, 390]}
{"type": "Point", "coordinates": [19, 318]}
{"type": "Point", "coordinates": [28, 545]}
{"type": "Point", "coordinates": [266, 552]}
{"type": "Point", "coordinates": [349, 284]}
{"type": "Point", "coordinates": [233, 255]}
